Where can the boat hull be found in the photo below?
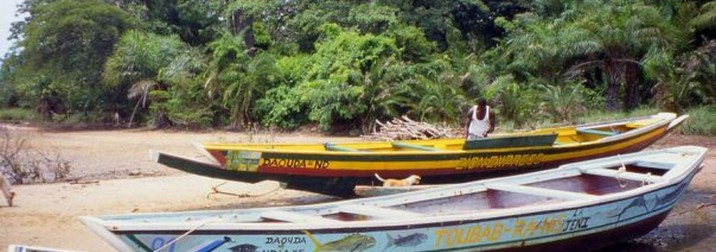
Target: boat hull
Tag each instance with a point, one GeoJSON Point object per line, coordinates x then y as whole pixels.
{"type": "Point", "coordinates": [434, 166]}
{"type": "Point", "coordinates": [581, 227]}
{"type": "Point", "coordinates": [338, 172]}
{"type": "Point", "coordinates": [572, 207]}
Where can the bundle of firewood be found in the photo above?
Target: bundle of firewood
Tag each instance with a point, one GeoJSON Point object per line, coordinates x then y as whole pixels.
{"type": "Point", "coordinates": [406, 129]}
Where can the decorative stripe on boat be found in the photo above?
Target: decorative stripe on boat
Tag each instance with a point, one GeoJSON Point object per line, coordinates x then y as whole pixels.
{"type": "Point", "coordinates": [598, 132]}
{"type": "Point", "coordinates": [544, 192]}
{"type": "Point", "coordinates": [295, 217]}
{"type": "Point", "coordinates": [592, 149]}
{"type": "Point", "coordinates": [623, 175]}
{"type": "Point", "coordinates": [413, 146]}
{"type": "Point", "coordinates": [379, 212]}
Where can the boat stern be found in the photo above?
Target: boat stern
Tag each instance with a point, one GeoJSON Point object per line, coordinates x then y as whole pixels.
{"type": "Point", "coordinates": [98, 227]}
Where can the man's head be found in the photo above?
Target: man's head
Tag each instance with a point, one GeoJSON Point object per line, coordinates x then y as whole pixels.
{"type": "Point", "coordinates": [481, 102]}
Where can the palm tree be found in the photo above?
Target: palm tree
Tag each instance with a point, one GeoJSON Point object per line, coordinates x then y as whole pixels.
{"type": "Point", "coordinates": [386, 92]}
{"type": "Point", "coordinates": [562, 102]}
{"type": "Point", "coordinates": [238, 78]}
{"type": "Point", "coordinates": [623, 32]}
{"type": "Point", "coordinates": [245, 85]}
{"type": "Point", "coordinates": [706, 19]}
{"type": "Point", "coordinates": [514, 102]}
{"type": "Point", "coordinates": [544, 48]}
{"type": "Point", "coordinates": [140, 91]}
{"type": "Point", "coordinates": [440, 100]}
{"type": "Point", "coordinates": [226, 51]}
{"type": "Point", "coordinates": [135, 65]}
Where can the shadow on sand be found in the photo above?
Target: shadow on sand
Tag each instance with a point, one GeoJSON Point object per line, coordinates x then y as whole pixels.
{"type": "Point", "coordinates": [668, 238]}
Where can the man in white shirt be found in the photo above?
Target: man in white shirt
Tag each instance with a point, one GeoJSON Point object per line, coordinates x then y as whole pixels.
{"type": "Point", "coordinates": [480, 120]}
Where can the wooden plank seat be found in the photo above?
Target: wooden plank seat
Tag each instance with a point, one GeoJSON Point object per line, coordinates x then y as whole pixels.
{"type": "Point", "coordinates": [379, 212]}
{"type": "Point", "coordinates": [623, 175]}
{"type": "Point", "coordinates": [413, 146]}
{"type": "Point", "coordinates": [294, 217]}
{"type": "Point", "coordinates": [655, 165]}
{"type": "Point", "coordinates": [538, 191]}
{"type": "Point", "coordinates": [333, 147]}
{"type": "Point", "coordinates": [597, 132]}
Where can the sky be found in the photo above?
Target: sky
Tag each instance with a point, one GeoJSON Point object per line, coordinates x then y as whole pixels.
{"type": "Point", "coordinates": [8, 8]}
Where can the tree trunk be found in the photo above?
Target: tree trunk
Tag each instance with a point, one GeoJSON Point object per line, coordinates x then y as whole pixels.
{"type": "Point", "coordinates": [611, 69]}
{"type": "Point", "coordinates": [631, 96]}
{"type": "Point", "coordinates": [243, 23]}
{"type": "Point", "coordinates": [161, 120]}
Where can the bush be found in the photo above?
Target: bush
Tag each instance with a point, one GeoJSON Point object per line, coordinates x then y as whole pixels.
{"type": "Point", "coordinates": [702, 121]}
{"type": "Point", "coordinates": [22, 164]}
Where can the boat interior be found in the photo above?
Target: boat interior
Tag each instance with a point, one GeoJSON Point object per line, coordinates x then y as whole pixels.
{"type": "Point", "coordinates": [575, 184]}
{"type": "Point", "coordinates": [540, 138]}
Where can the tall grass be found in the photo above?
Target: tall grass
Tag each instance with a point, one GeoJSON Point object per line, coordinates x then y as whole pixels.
{"type": "Point", "coordinates": [590, 117]}
{"type": "Point", "coordinates": [702, 121]}
{"type": "Point", "coordinates": [602, 116]}
{"type": "Point", "coordinates": [16, 114]}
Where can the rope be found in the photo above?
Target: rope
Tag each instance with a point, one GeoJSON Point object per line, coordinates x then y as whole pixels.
{"type": "Point", "coordinates": [619, 171]}
{"type": "Point", "coordinates": [207, 221]}
{"type": "Point", "coordinates": [643, 180]}
{"type": "Point", "coordinates": [215, 190]}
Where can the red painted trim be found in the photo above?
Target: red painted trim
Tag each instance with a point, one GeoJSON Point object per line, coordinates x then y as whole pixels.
{"type": "Point", "coordinates": [219, 156]}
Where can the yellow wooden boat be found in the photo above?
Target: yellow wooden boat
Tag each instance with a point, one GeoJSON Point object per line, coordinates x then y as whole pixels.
{"type": "Point", "coordinates": [335, 168]}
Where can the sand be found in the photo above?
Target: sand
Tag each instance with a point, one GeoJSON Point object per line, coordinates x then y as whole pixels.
{"type": "Point", "coordinates": [116, 176]}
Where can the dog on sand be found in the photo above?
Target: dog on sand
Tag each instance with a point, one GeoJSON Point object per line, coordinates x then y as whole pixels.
{"type": "Point", "coordinates": [411, 180]}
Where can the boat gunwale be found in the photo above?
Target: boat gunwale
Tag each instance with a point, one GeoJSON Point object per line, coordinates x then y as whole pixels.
{"type": "Point", "coordinates": [399, 156]}
{"type": "Point", "coordinates": [424, 221]}
{"type": "Point", "coordinates": [262, 148]}
{"type": "Point", "coordinates": [285, 228]}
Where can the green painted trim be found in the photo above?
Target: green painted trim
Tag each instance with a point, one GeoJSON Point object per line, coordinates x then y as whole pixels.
{"type": "Point", "coordinates": [333, 147]}
{"type": "Point", "coordinates": [364, 156]}
{"type": "Point", "coordinates": [413, 146]}
{"type": "Point", "coordinates": [511, 141]}
{"type": "Point", "coordinates": [441, 156]}
{"type": "Point", "coordinates": [136, 240]}
{"type": "Point", "coordinates": [598, 132]}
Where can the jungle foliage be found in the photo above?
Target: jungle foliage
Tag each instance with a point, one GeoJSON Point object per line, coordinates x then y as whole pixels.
{"type": "Point", "coordinates": [343, 64]}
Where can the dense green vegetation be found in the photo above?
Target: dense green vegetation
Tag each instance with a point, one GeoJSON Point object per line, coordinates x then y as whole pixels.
{"type": "Point", "coordinates": [343, 64]}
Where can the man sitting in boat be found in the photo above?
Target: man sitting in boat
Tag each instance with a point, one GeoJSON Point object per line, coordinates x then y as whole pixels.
{"type": "Point", "coordinates": [480, 120]}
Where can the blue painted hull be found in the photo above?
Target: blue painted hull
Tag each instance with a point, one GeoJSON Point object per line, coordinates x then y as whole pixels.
{"type": "Point", "coordinates": [580, 211]}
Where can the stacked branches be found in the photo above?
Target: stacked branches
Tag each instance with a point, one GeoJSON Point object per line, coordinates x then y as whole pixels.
{"type": "Point", "coordinates": [404, 128]}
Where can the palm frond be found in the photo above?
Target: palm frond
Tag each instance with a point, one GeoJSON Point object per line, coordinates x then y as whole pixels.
{"type": "Point", "coordinates": [140, 90]}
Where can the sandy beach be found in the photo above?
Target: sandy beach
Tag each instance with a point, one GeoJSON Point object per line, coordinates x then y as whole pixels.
{"type": "Point", "coordinates": [116, 176]}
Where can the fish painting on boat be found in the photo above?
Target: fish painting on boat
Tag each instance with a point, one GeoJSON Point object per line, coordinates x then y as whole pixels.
{"type": "Point", "coordinates": [336, 168]}
{"type": "Point", "coordinates": [351, 242]}
{"type": "Point", "coordinates": [246, 247]}
{"type": "Point", "coordinates": [576, 207]}
{"type": "Point", "coordinates": [407, 241]}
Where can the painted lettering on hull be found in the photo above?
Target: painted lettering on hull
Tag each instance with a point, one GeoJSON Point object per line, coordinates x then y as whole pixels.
{"type": "Point", "coordinates": [499, 161]}
{"type": "Point", "coordinates": [294, 163]}
{"type": "Point", "coordinates": [507, 230]}
{"type": "Point", "coordinates": [281, 241]}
